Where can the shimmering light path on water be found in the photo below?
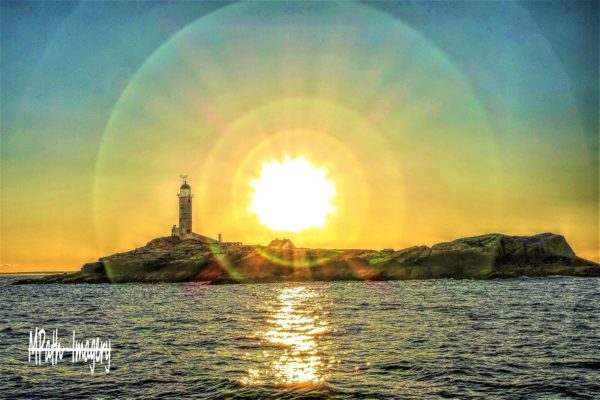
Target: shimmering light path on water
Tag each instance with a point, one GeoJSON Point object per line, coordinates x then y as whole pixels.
{"type": "Point", "coordinates": [524, 338]}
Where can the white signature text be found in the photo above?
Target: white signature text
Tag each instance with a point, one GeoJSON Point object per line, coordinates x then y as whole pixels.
{"type": "Point", "coordinates": [47, 348]}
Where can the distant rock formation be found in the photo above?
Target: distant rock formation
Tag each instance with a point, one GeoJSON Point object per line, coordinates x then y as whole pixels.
{"type": "Point", "coordinates": [170, 259]}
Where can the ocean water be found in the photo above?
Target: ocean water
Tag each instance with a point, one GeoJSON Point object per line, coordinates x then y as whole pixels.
{"type": "Point", "coordinates": [504, 339]}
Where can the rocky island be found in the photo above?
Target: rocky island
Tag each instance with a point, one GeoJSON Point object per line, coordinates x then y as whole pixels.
{"type": "Point", "coordinates": [171, 259]}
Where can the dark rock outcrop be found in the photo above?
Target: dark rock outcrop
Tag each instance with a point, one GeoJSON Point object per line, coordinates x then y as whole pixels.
{"type": "Point", "coordinates": [481, 257]}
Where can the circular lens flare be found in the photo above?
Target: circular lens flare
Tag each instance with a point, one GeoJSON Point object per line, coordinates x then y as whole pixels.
{"type": "Point", "coordinates": [292, 195]}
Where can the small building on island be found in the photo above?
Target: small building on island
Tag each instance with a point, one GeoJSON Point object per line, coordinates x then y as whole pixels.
{"type": "Point", "coordinates": [282, 244]}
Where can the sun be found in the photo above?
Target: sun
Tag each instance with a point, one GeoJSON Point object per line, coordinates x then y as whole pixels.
{"type": "Point", "coordinates": [292, 195]}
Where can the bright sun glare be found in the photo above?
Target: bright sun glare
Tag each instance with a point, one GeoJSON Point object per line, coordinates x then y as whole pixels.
{"type": "Point", "coordinates": [292, 195]}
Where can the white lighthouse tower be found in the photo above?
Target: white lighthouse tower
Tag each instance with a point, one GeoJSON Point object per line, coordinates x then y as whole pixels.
{"type": "Point", "coordinates": [184, 230]}
{"type": "Point", "coordinates": [185, 209]}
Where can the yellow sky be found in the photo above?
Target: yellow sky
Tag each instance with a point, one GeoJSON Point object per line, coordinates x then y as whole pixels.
{"type": "Point", "coordinates": [401, 132]}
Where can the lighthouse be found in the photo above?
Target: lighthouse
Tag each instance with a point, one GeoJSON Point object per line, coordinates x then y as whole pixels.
{"type": "Point", "coordinates": [184, 230]}
{"type": "Point", "coordinates": [185, 209]}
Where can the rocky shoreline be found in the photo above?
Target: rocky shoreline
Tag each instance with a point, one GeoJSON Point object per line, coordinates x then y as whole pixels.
{"type": "Point", "coordinates": [488, 256]}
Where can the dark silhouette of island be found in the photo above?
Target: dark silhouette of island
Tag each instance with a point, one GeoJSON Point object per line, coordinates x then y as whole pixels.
{"type": "Point", "coordinates": [491, 256]}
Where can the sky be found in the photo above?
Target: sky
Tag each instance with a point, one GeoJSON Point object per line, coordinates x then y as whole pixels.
{"type": "Point", "coordinates": [434, 121]}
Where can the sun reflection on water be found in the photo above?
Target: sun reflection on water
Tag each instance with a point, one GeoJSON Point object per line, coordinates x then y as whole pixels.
{"type": "Point", "coordinates": [295, 323]}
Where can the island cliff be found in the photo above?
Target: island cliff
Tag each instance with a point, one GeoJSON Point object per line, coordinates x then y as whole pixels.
{"type": "Point", "coordinates": [170, 259]}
